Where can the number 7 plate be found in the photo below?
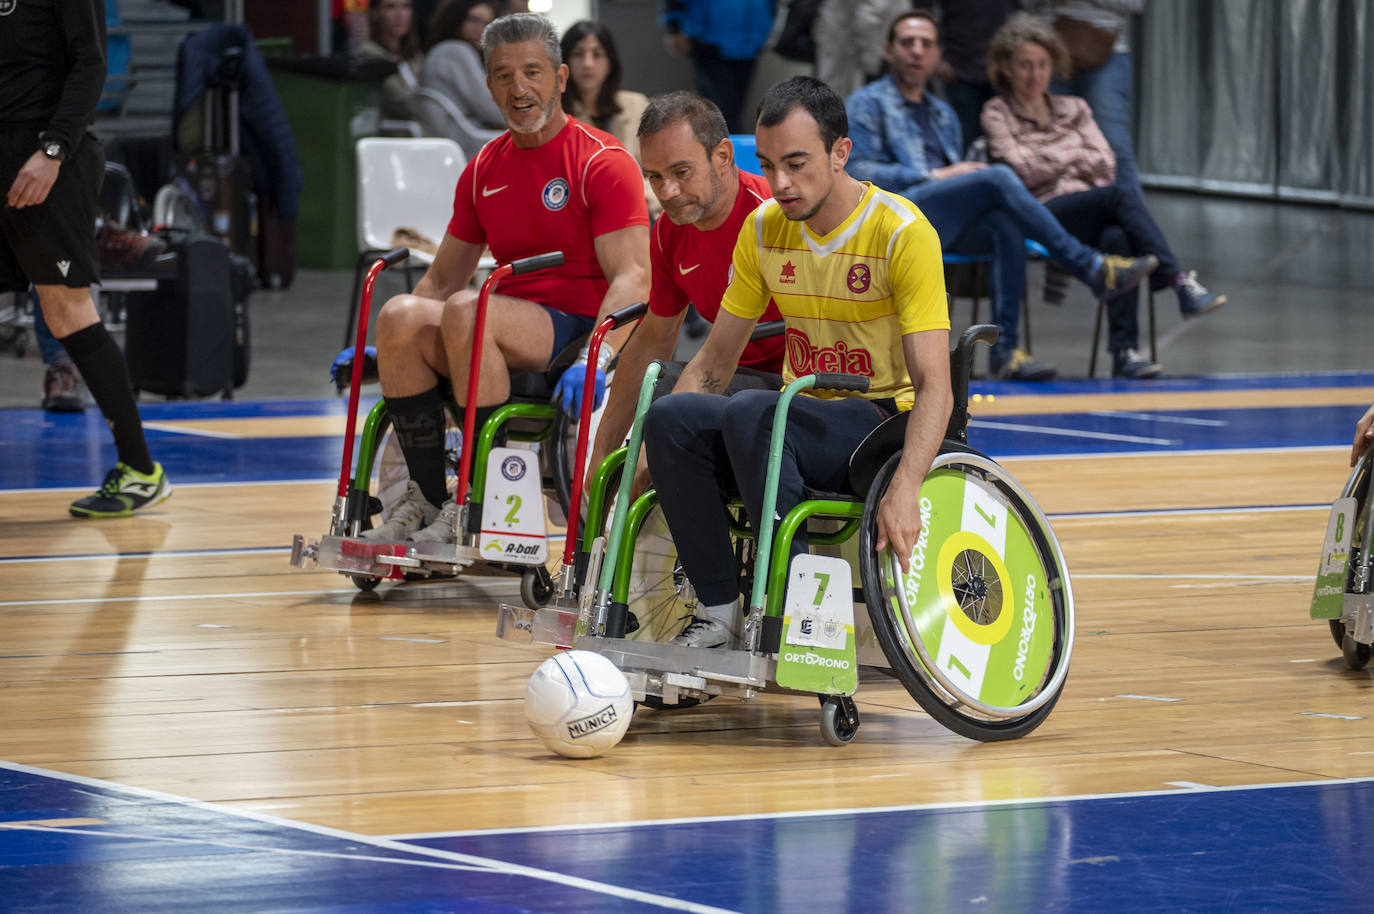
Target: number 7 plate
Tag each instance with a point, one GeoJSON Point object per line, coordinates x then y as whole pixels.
{"type": "Point", "coordinates": [817, 651]}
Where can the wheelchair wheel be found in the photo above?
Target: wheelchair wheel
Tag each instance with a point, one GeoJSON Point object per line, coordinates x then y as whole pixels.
{"type": "Point", "coordinates": [839, 719]}
{"type": "Point", "coordinates": [1357, 487]}
{"type": "Point", "coordinates": [660, 596]}
{"type": "Point", "coordinates": [390, 475]}
{"type": "Point", "coordinates": [564, 450]}
{"type": "Point", "coordinates": [966, 631]}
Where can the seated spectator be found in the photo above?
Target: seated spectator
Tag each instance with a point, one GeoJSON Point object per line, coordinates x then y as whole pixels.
{"type": "Point", "coordinates": [1055, 147]}
{"type": "Point", "coordinates": [453, 68]}
{"type": "Point", "coordinates": [1095, 34]}
{"type": "Point", "coordinates": [907, 141]}
{"type": "Point", "coordinates": [393, 38]}
{"type": "Point", "coordinates": [594, 95]}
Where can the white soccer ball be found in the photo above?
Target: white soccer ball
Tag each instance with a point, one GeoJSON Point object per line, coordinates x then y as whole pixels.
{"type": "Point", "coordinates": [579, 704]}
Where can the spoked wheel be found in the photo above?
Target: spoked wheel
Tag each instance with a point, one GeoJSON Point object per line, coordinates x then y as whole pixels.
{"type": "Point", "coordinates": [564, 444]}
{"type": "Point", "coordinates": [390, 475]}
{"type": "Point", "coordinates": [660, 596]}
{"type": "Point", "coordinates": [839, 719]}
{"type": "Point", "coordinates": [981, 630]}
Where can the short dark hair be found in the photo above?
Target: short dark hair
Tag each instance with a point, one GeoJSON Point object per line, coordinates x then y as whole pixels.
{"type": "Point", "coordinates": [517, 28]}
{"type": "Point", "coordinates": [812, 96]}
{"type": "Point", "coordinates": [919, 13]}
{"type": "Point", "coordinates": [664, 111]}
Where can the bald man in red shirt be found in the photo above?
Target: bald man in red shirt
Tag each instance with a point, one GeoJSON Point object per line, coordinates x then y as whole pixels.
{"type": "Point", "coordinates": [688, 158]}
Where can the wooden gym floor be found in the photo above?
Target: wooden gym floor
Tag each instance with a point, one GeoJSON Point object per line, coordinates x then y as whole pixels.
{"type": "Point", "coordinates": [181, 707]}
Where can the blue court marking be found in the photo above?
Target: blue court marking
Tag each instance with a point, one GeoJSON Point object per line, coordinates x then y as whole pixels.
{"type": "Point", "coordinates": [40, 450]}
{"type": "Point", "coordinates": [1174, 384]}
{"type": "Point", "coordinates": [1280, 849]}
{"type": "Point", "coordinates": [157, 853]}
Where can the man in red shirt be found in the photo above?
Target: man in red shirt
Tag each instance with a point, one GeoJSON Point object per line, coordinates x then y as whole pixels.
{"type": "Point", "coordinates": [690, 163]}
{"type": "Point", "coordinates": [550, 183]}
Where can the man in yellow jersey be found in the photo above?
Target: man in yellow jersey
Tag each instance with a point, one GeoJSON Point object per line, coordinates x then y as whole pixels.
{"type": "Point", "coordinates": [856, 273]}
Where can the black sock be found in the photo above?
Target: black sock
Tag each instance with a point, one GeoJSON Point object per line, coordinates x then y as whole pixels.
{"type": "Point", "coordinates": [102, 367]}
{"type": "Point", "coordinates": [419, 425]}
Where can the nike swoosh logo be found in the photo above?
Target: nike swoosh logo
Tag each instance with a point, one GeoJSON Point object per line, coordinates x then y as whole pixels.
{"type": "Point", "coordinates": [488, 191]}
{"type": "Point", "coordinates": [685, 270]}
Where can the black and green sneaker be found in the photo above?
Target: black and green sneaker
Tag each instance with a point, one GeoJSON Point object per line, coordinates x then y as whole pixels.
{"type": "Point", "coordinates": [124, 491]}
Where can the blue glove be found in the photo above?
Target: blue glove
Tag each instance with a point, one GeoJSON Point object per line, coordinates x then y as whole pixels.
{"type": "Point", "coordinates": [569, 388]}
{"type": "Point", "coordinates": [341, 372]}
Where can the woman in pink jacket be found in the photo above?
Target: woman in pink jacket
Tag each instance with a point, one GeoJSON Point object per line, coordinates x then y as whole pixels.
{"type": "Point", "coordinates": [1055, 147]}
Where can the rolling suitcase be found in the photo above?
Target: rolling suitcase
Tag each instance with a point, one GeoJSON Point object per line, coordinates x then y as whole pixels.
{"type": "Point", "coordinates": [180, 338]}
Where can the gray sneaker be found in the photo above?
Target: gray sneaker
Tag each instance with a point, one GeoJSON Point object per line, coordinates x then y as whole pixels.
{"type": "Point", "coordinates": [444, 527]}
{"type": "Point", "coordinates": [411, 514]}
{"type": "Point", "coordinates": [702, 632]}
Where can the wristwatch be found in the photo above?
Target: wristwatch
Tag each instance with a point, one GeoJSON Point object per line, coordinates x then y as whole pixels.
{"type": "Point", "coordinates": [53, 150]}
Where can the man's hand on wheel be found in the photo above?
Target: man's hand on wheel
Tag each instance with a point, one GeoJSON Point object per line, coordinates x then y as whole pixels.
{"type": "Point", "coordinates": [899, 518]}
{"type": "Point", "coordinates": [569, 391]}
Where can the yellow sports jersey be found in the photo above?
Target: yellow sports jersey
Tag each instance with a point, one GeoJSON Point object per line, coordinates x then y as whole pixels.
{"type": "Point", "coordinates": [848, 297]}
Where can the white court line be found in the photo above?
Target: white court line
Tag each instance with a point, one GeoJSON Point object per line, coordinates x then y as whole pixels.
{"type": "Point", "coordinates": [1158, 417]}
{"type": "Point", "coordinates": [859, 811]}
{"type": "Point", "coordinates": [191, 432]}
{"type": "Point", "coordinates": [334, 481]}
{"type": "Point", "coordinates": [1214, 576]}
{"type": "Point", "coordinates": [1183, 512]}
{"type": "Point", "coordinates": [497, 866]}
{"type": "Point", "coordinates": [1070, 432]}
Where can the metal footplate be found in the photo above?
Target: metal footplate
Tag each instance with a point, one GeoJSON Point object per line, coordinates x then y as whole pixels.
{"type": "Point", "coordinates": [672, 671]}
{"type": "Point", "coordinates": [353, 556]}
{"type": "Point", "coordinates": [1358, 615]}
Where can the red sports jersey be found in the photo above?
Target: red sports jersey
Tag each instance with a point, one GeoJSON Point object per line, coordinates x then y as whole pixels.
{"type": "Point", "coordinates": [556, 197]}
{"type": "Point", "coordinates": [692, 265]}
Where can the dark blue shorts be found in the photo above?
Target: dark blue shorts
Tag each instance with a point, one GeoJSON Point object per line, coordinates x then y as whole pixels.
{"type": "Point", "coordinates": [567, 328]}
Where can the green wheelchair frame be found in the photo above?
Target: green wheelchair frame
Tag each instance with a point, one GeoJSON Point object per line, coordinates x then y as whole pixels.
{"type": "Point", "coordinates": [1344, 591]}
{"type": "Point", "coordinates": [666, 675]}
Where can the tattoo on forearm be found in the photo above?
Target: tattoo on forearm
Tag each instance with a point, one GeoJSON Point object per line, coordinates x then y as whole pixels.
{"type": "Point", "coordinates": [710, 383]}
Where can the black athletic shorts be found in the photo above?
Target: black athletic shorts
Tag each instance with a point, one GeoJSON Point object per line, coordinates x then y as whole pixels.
{"type": "Point", "coordinates": [52, 243]}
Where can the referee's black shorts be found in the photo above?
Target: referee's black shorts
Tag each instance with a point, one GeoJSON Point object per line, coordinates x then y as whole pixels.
{"type": "Point", "coordinates": [52, 243]}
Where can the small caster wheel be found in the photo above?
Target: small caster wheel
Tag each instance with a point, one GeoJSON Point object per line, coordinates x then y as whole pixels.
{"type": "Point", "coordinates": [839, 719]}
{"type": "Point", "coordinates": [1337, 631]}
{"type": "Point", "coordinates": [366, 585]}
{"type": "Point", "coordinates": [536, 588]}
{"type": "Point", "coordinates": [1356, 654]}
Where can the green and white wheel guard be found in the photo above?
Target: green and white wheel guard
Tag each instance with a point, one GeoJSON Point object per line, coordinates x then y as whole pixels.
{"type": "Point", "coordinates": [979, 594]}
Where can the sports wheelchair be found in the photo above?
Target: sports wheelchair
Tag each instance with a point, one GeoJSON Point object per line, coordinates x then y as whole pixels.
{"type": "Point", "coordinates": [500, 488]}
{"type": "Point", "coordinates": [980, 632]}
{"type": "Point", "coordinates": [1344, 591]}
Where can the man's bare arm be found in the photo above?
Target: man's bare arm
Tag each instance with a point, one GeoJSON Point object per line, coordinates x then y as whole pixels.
{"type": "Point", "coordinates": [899, 517]}
{"type": "Point", "coordinates": [714, 364]}
{"type": "Point", "coordinates": [452, 269]}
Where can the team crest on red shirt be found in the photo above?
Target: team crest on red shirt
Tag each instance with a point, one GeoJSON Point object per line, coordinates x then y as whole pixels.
{"type": "Point", "coordinates": [860, 277]}
{"type": "Point", "coordinates": [788, 274]}
{"type": "Point", "coordinates": [555, 195]}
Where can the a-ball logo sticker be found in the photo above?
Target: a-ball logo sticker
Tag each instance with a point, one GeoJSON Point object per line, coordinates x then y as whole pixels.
{"type": "Point", "coordinates": [512, 468]}
{"type": "Point", "coordinates": [555, 192]}
{"type": "Point", "coordinates": [588, 725]}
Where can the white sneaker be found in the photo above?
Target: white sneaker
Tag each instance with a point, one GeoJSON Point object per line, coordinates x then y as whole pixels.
{"type": "Point", "coordinates": [411, 514]}
{"type": "Point", "coordinates": [444, 527]}
{"type": "Point", "coordinates": [702, 632]}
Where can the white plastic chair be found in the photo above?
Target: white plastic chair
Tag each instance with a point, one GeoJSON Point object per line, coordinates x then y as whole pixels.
{"type": "Point", "coordinates": [440, 117]}
{"type": "Point", "coordinates": [402, 183]}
